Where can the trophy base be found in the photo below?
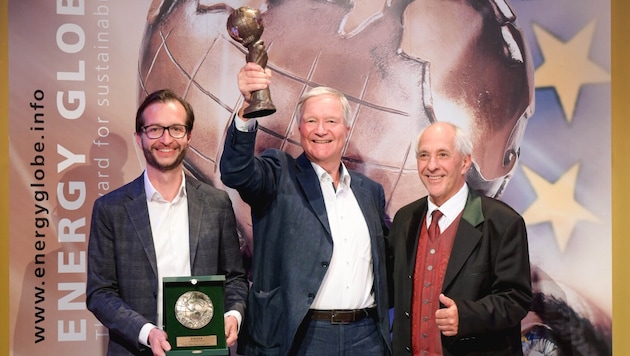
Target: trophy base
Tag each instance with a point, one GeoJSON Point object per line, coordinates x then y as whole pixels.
{"type": "Point", "coordinates": [259, 110]}
{"type": "Point", "coordinates": [260, 105]}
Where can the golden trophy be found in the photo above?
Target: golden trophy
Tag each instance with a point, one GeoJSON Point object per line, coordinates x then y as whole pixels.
{"type": "Point", "coordinates": [245, 26]}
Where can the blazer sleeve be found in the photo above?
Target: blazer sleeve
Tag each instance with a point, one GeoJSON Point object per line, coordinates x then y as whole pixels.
{"type": "Point", "coordinates": [231, 263]}
{"type": "Point", "coordinates": [506, 297]}
{"type": "Point", "coordinates": [253, 177]}
{"type": "Point", "coordinates": [103, 294]}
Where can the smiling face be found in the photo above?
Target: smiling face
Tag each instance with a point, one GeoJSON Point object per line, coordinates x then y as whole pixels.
{"type": "Point", "coordinates": [441, 167]}
{"type": "Point", "coordinates": [323, 132]}
{"type": "Point", "coordinates": [166, 153]}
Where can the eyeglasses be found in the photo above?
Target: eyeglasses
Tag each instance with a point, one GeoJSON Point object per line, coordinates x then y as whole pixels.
{"type": "Point", "coordinates": [156, 131]}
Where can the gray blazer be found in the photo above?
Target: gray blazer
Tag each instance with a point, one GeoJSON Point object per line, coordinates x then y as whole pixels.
{"type": "Point", "coordinates": [292, 239]}
{"type": "Point", "coordinates": [122, 281]}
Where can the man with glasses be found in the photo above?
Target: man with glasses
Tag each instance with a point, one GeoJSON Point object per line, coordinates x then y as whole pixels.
{"type": "Point", "coordinates": [164, 223]}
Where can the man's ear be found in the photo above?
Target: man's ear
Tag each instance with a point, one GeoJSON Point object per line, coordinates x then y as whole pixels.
{"type": "Point", "coordinates": [467, 161]}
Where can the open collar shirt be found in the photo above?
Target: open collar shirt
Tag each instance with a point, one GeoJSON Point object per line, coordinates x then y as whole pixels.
{"type": "Point", "coordinates": [349, 279]}
{"type": "Point", "coordinates": [169, 227]}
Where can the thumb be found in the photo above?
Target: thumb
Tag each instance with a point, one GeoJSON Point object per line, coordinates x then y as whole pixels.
{"type": "Point", "coordinates": [448, 302]}
{"type": "Point", "coordinates": [166, 346]}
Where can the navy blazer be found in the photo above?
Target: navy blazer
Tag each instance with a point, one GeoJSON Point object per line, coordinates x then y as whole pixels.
{"type": "Point", "coordinates": [488, 276]}
{"type": "Point", "coordinates": [292, 240]}
{"type": "Point", "coordinates": [122, 281]}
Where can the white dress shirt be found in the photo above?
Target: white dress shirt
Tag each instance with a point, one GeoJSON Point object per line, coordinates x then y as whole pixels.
{"type": "Point", "coordinates": [349, 279]}
{"type": "Point", "coordinates": [169, 227]}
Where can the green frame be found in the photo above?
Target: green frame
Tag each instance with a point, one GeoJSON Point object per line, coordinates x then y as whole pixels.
{"type": "Point", "coordinates": [213, 287]}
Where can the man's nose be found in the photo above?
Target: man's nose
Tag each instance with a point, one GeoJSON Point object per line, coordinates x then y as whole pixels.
{"type": "Point", "coordinates": [432, 164]}
{"type": "Point", "coordinates": [320, 128]}
{"type": "Point", "coordinates": [166, 137]}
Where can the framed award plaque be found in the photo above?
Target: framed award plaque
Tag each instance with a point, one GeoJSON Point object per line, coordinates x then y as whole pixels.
{"type": "Point", "coordinates": [193, 315]}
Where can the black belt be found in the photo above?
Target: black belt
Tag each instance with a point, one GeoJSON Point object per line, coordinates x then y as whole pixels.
{"type": "Point", "coordinates": [342, 316]}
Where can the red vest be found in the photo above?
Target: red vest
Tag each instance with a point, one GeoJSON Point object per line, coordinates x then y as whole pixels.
{"type": "Point", "coordinates": [428, 275]}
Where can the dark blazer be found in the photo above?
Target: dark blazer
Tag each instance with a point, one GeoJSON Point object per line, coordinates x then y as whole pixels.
{"type": "Point", "coordinates": [292, 239]}
{"type": "Point", "coordinates": [488, 276]}
{"type": "Point", "coordinates": [122, 281]}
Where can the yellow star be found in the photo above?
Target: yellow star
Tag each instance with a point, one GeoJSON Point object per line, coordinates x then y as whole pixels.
{"type": "Point", "coordinates": [567, 66]}
{"type": "Point", "coordinates": [556, 203]}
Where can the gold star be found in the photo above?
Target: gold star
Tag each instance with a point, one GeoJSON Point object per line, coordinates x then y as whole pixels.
{"type": "Point", "coordinates": [567, 66]}
{"type": "Point", "coordinates": [556, 203]}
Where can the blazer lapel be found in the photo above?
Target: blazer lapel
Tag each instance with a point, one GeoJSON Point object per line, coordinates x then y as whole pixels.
{"type": "Point", "coordinates": [413, 234]}
{"type": "Point", "coordinates": [310, 185]}
{"type": "Point", "coordinates": [195, 213]}
{"type": "Point", "coordinates": [138, 213]}
{"type": "Point", "coordinates": [364, 199]}
{"type": "Point", "coordinates": [466, 237]}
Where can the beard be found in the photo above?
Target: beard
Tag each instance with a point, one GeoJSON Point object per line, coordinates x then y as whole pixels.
{"type": "Point", "coordinates": [153, 162]}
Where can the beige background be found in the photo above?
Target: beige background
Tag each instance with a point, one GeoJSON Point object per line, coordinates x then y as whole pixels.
{"type": "Point", "coordinates": [620, 178]}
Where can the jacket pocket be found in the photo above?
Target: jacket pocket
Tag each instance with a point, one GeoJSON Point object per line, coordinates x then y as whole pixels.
{"type": "Point", "coordinates": [266, 318]}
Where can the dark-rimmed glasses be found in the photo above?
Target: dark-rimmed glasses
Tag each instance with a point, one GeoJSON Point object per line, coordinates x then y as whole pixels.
{"type": "Point", "coordinates": [156, 131]}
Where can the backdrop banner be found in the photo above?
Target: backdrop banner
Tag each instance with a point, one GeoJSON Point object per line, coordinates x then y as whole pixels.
{"type": "Point", "coordinates": [72, 87]}
{"type": "Point", "coordinates": [528, 79]}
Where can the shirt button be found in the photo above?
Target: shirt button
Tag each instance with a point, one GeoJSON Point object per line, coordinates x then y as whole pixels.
{"type": "Point", "coordinates": [432, 251]}
{"type": "Point", "coordinates": [430, 268]}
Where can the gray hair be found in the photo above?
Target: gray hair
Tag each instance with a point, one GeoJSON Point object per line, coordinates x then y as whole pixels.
{"type": "Point", "coordinates": [319, 91]}
{"type": "Point", "coordinates": [463, 144]}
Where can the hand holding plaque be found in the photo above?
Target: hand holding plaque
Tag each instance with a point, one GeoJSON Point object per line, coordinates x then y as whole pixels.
{"type": "Point", "coordinates": [245, 26]}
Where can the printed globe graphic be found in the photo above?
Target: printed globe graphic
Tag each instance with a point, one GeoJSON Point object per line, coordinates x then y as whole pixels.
{"type": "Point", "coordinates": [469, 66]}
{"type": "Point", "coordinates": [194, 309]}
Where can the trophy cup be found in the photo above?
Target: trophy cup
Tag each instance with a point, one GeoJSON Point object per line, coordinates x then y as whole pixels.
{"type": "Point", "coordinates": [245, 26]}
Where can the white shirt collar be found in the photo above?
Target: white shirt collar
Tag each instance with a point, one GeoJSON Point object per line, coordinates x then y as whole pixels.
{"type": "Point", "coordinates": [154, 195]}
{"type": "Point", "coordinates": [322, 174]}
{"type": "Point", "coordinates": [453, 206]}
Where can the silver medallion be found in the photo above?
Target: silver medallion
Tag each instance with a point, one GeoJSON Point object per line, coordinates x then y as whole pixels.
{"type": "Point", "coordinates": [194, 309]}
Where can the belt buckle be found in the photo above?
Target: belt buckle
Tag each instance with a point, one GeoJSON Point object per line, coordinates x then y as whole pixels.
{"type": "Point", "coordinates": [336, 322]}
